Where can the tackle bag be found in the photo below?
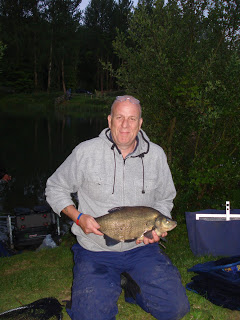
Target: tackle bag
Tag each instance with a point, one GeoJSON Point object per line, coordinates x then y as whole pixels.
{"type": "Point", "coordinates": [32, 226]}
{"type": "Point", "coordinates": [214, 232]}
{"type": "Point", "coordinates": [218, 281]}
{"type": "Point", "coordinates": [40, 217]}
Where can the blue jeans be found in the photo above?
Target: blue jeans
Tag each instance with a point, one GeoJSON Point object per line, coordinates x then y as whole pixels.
{"type": "Point", "coordinates": [96, 285]}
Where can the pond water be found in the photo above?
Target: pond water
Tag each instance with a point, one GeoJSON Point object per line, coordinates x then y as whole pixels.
{"type": "Point", "coordinates": [32, 147]}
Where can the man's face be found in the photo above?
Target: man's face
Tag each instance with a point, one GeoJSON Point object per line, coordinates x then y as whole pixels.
{"type": "Point", "coordinates": [125, 122]}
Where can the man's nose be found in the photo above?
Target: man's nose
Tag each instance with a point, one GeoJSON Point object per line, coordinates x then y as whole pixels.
{"type": "Point", "coordinates": [125, 123]}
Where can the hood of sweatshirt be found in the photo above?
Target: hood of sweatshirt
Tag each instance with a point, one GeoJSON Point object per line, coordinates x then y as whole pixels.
{"type": "Point", "coordinates": [141, 149]}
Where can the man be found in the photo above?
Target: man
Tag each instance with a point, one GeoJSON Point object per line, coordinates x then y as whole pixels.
{"type": "Point", "coordinates": [121, 167]}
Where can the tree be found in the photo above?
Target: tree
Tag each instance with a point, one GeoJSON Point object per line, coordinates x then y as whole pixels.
{"type": "Point", "coordinates": [49, 48]}
{"type": "Point", "coordinates": [13, 17]}
{"type": "Point", "coordinates": [182, 61]}
{"type": "Point", "coordinates": [39, 36]}
{"type": "Point", "coordinates": [63, 18]}
{"type": "Point", "coordinates": [2, 48]}
{"type": "Point", "coordinates": [102, 18]}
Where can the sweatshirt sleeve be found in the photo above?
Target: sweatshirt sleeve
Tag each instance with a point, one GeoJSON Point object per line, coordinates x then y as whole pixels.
{"type": "Point", "coordinates": [62, 183]}
{"type": "Point", "coordinates": [166, 191]}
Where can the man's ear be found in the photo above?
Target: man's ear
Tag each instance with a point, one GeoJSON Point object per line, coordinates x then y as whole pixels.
{"type": "Point", "coordinates": [109, 121]}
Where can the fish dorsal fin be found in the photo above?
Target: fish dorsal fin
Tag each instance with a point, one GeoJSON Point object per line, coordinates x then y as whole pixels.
{"type": "Point", "coordinates": [115, 209]}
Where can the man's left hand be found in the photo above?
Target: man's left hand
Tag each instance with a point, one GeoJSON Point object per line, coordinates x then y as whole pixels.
{"type": "Point", "coordinates": [155, 238]}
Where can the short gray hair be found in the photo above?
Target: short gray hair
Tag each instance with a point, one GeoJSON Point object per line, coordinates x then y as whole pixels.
{"type": "Point", "coordinates": [132, 99]}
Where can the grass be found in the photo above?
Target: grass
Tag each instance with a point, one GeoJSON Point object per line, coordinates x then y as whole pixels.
{"type": "Point", "coordinates": [41, 103]}
{"type": "Point", "coordinates": [23, 103]}
{"type": "Point", "coordinates": [32, 275]}
{"type": "Point", "coordinates": [85, 106]}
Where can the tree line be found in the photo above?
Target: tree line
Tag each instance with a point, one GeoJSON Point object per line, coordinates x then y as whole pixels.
{"type": "Point", "coordinates": [53, 45]}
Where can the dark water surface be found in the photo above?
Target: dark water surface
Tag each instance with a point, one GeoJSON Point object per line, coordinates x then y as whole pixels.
{"type": "Point", "coordinates": [32, 147]}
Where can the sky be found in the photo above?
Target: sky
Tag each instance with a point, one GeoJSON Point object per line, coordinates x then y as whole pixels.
{"type": "Point", "coordinates": [84, 3]}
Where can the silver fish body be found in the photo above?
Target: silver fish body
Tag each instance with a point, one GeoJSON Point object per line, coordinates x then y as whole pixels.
{"type": "Point", "coordinates": [133, 223]}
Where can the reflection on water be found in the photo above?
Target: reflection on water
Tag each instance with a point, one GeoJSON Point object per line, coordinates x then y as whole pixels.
{"type": "Point", "coordinates": [32, 147]}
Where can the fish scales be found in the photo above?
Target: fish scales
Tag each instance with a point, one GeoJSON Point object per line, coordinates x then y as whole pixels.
{"type": "Point", "coordinates": [130, 223]}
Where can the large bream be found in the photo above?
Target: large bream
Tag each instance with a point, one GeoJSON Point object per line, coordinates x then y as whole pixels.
{"type": "Point", "coordinates": [133, 223]}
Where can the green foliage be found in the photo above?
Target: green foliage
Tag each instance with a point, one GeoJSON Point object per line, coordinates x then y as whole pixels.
{"type": "Point", "coordinates": [82, 106]}
{"type": "Point", "coordinates": [52, 42]}
{"type": "Point", "coordinates": [21, 81]}
{"type": "Point", "coordinates": [27, 104]}
{"type": "Point", "coordinates": [102, 19]}
{"type": "Point", "coordinates": [182, 61]}
{"type": "Point", "coordinates": [41, 38]}
{"type": "Point", "coordinates": [2, 48]}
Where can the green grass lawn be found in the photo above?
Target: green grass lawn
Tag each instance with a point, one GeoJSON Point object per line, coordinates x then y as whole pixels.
{"type": "Point", "coordinates": [32, 275]}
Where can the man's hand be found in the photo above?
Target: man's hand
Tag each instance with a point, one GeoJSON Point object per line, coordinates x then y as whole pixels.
{"type": "Point", "coordinates": [89, 225]}
{"type": "Point", "coordinates": [86, 222]}
{"type": "Point", "coordinates": [155, 238]}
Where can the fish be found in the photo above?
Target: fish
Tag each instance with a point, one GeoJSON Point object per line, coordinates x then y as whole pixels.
{"type": "Point", "coordinates": [126, 224]}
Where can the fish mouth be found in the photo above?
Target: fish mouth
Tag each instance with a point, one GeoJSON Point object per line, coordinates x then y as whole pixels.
{"type": "Point", "coordinates": [173, 226]}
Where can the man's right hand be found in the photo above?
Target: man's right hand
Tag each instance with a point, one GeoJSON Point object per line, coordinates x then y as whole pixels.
{"type": "Point", "coordinates": [86, 222]}
{"type": "Point", "coordinates": [89, 224]}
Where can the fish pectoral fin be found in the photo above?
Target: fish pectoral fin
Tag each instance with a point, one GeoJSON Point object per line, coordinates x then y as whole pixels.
{"type": "Point", "coordinates": [110, 241]}
{"type": "Point", "coordinates": [148, 234]}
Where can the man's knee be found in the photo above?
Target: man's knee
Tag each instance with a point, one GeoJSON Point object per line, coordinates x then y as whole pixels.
{"type": "Point", "coordinates": [173, 309]}
{"type": "Point", "coordinates": [95, 292]}
{"type": "Point", "coordinates": [164, 297]}
{"type": "Point", "coordinates": [179, 307]}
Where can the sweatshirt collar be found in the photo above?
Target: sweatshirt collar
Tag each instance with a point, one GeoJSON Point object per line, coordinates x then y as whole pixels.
{"type": "Point", "coordinates": [141, 148]}
{"type": "Point", "coordinates": [137, 140]}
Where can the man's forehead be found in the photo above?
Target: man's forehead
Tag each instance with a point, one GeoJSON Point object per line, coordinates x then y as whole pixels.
{"type": "Point", "coordinates": [126, 107]}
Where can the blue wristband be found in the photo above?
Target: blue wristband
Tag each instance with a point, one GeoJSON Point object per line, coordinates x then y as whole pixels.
{"type": "Point", "coordinates": [77, 222]}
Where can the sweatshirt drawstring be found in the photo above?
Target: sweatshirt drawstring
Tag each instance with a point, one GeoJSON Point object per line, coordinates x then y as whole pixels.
{"type": "Point", "coordinates": [137, 156]}
{"type": "Point", "coordinates": [115, 167]}
{"type": "Point", "coordinates": [143, 188]}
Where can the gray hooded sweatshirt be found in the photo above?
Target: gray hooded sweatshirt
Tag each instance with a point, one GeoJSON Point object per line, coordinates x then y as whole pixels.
{"type": "Point", "coordinates": [104, 180]}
